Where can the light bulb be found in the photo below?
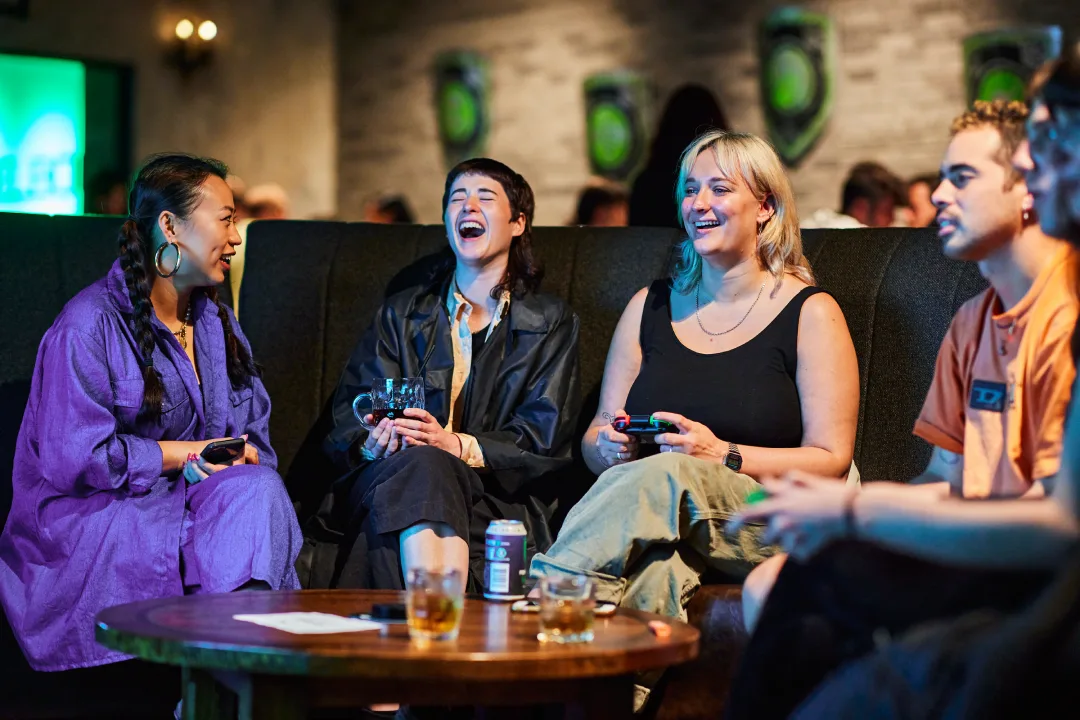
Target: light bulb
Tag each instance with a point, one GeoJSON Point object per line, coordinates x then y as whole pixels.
{"type": "Point", "coordinates": [207, 30]}
{"type": "Point", "coordinates": [184, 28]}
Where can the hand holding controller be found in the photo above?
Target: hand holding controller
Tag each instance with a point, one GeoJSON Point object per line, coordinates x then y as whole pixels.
{"type": "Point", "coordinates": [612, 446]}
{"type": "Point", "coordinates": [643, 427]}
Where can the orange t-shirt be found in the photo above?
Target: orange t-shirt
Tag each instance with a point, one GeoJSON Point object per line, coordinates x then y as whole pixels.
{"type": "Point", "coordinates": [1002, 384]}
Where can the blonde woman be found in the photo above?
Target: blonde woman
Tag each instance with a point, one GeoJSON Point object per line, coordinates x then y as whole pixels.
{"type": "Point", "coordinates": [751, 364]}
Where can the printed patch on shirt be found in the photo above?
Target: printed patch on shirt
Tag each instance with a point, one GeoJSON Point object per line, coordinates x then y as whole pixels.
{"type": "Point", "coordinates": [987, 395]}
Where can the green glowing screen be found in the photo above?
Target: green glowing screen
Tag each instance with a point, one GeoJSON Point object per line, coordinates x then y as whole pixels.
{"type": "Point", "coordinates": [42, 134]}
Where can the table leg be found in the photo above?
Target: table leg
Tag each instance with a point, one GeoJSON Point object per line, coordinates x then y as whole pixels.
{"type": "Point", "coordinates": [204, 698]}
{"type": "Point", "coordinates": [606, 699]}
{"type": "Point", "coordinates": [264, 697]}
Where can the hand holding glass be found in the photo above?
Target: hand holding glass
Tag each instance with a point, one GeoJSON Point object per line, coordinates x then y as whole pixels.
{"type": "Point", "coordinates": [389, 397]}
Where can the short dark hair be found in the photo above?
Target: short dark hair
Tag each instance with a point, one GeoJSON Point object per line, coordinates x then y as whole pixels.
{"type": "Point", "coordinates": [593, 198]}
{"type": "Point", "coordinates": [524, 272]}
{"type": "Point", "coordinates": [875, 183]}
{"type": "Point", "coordinates": [397, 209]}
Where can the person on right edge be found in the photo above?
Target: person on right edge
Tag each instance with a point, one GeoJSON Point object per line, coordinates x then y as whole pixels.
{"type": "Point", "coordinates": [875, 564]}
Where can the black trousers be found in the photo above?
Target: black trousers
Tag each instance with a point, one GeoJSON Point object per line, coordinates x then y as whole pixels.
{"type": "Point", "coordinates": [417, 484]}
{"type": "Point", "coordinates": [842, 604]}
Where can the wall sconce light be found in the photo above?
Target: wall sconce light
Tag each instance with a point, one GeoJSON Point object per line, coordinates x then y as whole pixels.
{"type": "Point", "coordinates": [192, 46]}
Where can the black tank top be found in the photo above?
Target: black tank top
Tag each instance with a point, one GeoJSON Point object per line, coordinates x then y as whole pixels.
{"type": "Point", "coordinates": [746, 395]}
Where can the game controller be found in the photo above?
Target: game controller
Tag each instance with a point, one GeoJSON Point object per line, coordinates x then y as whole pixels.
{"type": "Point", "coordinates": [644, 427]}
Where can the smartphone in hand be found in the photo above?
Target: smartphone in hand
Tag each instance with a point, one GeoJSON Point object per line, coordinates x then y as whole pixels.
{"type": "Point", "coordinates": [220, 452]}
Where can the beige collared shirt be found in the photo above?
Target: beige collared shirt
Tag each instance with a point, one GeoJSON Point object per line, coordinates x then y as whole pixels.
{"type": "Point", "coordinates": [460, 309]}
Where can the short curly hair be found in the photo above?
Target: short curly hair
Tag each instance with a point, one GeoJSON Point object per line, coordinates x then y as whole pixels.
{"type": "Point", "coordinates": [1005, 116]}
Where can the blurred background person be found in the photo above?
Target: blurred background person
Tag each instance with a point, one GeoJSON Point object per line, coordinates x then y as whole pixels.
{"type": "Point", "coordinates": [108, 194]}
{"type": "Point", "coordinates": [922, 212]}
{"type": "Point", "coordinates": [388, 210]}
{"type": "Point", "coordinates": [239, 190]}
{"type": "Point", "coordinates": [871, 197]}
{"type": "Point", "coordinates": [602, 204]}
{"type": "Point", "coordinates": [268, 201]}
{"type": "Point", "coordinates": [691, 111]}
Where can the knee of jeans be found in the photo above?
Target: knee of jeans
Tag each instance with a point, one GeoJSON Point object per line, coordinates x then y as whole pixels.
{"type": "Point", "coordinates": [646, 473]}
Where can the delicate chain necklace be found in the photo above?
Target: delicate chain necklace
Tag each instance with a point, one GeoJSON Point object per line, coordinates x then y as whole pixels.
{"type": "Point", "coordinates": [697, 311]}
{"type": "Point", "coordinates": [181, 334]}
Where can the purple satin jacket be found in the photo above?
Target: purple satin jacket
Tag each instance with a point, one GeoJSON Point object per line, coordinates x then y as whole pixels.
{"type": "Point", "coordinates": [94, 523]}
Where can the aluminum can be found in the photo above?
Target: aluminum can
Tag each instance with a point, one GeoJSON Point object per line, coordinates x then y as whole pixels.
{"type": "Point", "coordinates": [504, 560]}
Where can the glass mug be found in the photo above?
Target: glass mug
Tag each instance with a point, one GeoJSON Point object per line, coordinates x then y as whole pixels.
{"type": "Point", "coordinates": [433, 603]}
{"type": "Point", "coordinates": [567, 609]}
{"type": "Point", "coordinates": [389, 397]}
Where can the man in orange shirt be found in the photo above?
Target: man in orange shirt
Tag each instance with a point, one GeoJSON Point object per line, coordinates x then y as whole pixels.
{"type": "Point", "coordinates": [994, 413]}
{"type": "Point", "coordinates": [996, 407]}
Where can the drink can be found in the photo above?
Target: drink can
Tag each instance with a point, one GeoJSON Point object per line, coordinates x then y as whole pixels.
{"type": "Point", "coordinates": [504, 560]}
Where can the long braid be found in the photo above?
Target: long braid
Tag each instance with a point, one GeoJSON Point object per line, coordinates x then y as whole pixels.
{"type": "Point", "coordinates": [240, 364]}
{"type": "Point", "coordinates": [133, 261]}
{"type": "Point", "coordinates": [169, 182]}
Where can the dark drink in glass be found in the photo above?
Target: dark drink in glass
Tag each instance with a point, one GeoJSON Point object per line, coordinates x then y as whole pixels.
{"type": "Point", "coordinates": [388, 399]}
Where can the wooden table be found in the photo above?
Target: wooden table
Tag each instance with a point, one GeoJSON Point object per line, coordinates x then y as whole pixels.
{"type": "Point", "coordinates": [496, 660]}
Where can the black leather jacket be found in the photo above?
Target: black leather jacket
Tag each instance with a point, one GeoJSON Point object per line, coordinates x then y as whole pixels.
{"type": "Point", "coordinates": [521, 399]}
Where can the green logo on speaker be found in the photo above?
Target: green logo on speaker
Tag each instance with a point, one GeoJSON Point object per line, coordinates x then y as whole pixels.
{"type": "Point", "coordinates": [798, 59]}
{"type": "Point", "coordinates": [458, 112]}
{"type": "Point", "coordinates": [999, 63]}
{"type": "Point", "coordinates": [615, 124]}
{"type": "Point", "coordinates": [791, 79]}
{"type": "Point", "coordinates": [610, 139]}
{"type": "Point", "coordinates": [461, 104]}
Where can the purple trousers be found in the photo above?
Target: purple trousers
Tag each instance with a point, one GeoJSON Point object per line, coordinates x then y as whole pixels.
{"type": "Point", "coordinates": [239, 526]}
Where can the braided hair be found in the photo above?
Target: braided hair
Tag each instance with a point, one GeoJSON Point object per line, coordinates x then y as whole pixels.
{"type": "Point", "coordinates": [167, 182]}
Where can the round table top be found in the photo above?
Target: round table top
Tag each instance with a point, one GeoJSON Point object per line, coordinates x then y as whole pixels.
{"type": "Point", "coordinates": [493, 642]}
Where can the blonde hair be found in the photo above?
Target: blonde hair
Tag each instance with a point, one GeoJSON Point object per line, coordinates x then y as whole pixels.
{"type": "Point", "coordinates": [779, 246]}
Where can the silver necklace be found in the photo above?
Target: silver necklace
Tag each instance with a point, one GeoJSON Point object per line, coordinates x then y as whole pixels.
{"type": "Point", "coordinates": [697, 311]}
{"type": "Point", "coordinates": [181, 334]}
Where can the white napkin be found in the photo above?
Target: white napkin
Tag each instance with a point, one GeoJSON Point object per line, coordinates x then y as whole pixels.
{"type": "Point", "coordinates": [309, 623]}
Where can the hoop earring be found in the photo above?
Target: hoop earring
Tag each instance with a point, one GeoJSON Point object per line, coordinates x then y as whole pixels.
{"type": "Point", "coordinates": [160, 252]}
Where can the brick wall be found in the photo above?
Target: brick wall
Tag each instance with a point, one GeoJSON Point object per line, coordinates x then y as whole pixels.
{"type": "Point", "coordinates": [266, 106]}
{"type": "Point", "coordinates": [899, 82]}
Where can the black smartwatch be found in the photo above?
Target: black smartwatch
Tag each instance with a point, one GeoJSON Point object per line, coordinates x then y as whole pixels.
{"type": "Point", "coordinates": [733, 459]}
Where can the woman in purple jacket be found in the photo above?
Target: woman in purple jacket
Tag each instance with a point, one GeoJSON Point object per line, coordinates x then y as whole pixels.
{"type": "Point", "coordinates": [112, 501]}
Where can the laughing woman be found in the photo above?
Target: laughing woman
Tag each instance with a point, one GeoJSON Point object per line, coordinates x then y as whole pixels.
{"type": "Point", "coordinates": [499, 363]}
{"type": "Point", "coordinates": [751, 364]}
{"type": "Point", "coordinates": [112, 501]}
